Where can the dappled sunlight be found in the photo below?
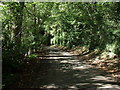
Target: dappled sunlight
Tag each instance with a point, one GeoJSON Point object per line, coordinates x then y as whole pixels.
{"type": "Point", "coordinates": [82, 67]}
{"type": "Point", "coordinates": [58, 70]}
{"type": "Point", "coordinates": [106, 78]}
{"type": "Point", "coordinates": [70, 61]}
{"type": "Point", "coordinates": [54, 53]}
{"type": "Point", "coordinates": [50, 86]}
{"type": "Point", "coordinates": [60, 44]}
{"type": "Point", "coordinates": [80, 84]}
{"type": "Point", "coordinates": [73, 87]}
{"type": "Point", "coordinates": [57, 58]}
{"type": "Point", "coordinates": [108, 87]}
{"type": "Point", "coordinates": [66, 53]}
{"type": "Point", "coordinates": [68, 72]}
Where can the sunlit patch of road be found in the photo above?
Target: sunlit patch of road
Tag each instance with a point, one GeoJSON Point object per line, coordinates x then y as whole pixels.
{"type": "Point", "coordinates": [61, 70]}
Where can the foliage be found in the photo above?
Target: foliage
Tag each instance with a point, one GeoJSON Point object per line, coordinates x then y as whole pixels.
{"type": "Point", "coordinates": [29, 26]}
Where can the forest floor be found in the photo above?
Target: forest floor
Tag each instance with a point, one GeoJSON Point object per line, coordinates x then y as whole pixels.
{"type": "Point", "coordinates": [106, 61]}
{"type": "Point", "coordinates": [55, 68]}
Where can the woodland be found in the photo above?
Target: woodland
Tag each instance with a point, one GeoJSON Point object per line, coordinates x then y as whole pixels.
{"type": "Point", "coordinates": [28, 27]}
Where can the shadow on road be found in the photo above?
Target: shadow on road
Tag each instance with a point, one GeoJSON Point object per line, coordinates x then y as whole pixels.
{"type": "Point", "coordinates": [62, 70]}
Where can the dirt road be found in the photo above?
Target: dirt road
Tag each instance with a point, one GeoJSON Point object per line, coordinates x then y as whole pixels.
{"type": "Point", "coordinates": [58, 69]}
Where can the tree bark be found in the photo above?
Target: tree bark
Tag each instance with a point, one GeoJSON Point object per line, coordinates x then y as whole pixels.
{"type": "Point", "coordinates": [18, 23]}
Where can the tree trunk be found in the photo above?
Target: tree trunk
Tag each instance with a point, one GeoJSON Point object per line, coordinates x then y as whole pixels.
{"type": "Point", "coordinates": [19, 19]}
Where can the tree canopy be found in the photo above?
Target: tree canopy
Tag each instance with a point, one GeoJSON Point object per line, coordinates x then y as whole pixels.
{"type": "Point", "coordinates": [95, 25]}
{"type": "Point", "coordinates": [28, 26]}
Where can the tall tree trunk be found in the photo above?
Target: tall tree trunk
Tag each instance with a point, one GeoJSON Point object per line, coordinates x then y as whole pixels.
{"type": "Point", "coordinates": [19, 20]}
{"type": "Point", "coordinates": [35, 28]}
